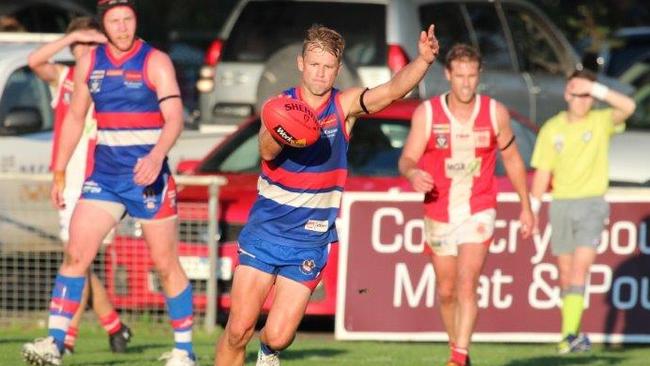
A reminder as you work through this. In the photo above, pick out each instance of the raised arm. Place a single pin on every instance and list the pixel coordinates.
(414, 147)
(71, 130)
(623, 105)
(40, 59)
(515, 167)
(160, 71)
(402, 82)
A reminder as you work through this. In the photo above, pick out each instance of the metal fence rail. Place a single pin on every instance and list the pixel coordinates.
(31, 253)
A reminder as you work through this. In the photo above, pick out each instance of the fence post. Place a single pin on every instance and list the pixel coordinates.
(213, 255)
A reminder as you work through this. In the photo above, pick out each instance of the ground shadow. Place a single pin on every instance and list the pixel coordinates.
(570, 360)
(289, 354)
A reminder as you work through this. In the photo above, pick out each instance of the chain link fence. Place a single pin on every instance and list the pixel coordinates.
(31, 253)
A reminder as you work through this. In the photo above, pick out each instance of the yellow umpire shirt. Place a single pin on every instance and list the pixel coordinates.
(576, 153)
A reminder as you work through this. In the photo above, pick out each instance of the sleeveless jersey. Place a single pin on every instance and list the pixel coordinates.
(129, 121)
(299, 192)
(80, 165)
(461, 158)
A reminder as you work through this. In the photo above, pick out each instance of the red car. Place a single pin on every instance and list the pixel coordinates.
(375, 147)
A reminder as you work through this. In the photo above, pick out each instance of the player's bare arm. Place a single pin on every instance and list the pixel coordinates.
(403, 81)
(412, 152)
(160, 71)
(515, 168)
(40, 60)
(268, 146)
(73, 125)
(623, 105)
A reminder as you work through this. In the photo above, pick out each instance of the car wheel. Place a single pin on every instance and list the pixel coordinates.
(281, 72)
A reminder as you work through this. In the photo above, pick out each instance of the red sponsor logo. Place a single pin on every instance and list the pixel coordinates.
(133, 76)
(114, 72)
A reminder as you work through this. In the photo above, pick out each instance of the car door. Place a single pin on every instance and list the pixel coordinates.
(479, 24)
(544, 57)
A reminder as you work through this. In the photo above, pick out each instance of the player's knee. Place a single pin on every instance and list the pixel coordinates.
(165, 265)
(76, 259)
(277, 338)
(446, 292)
(467, 290)
(239, 333)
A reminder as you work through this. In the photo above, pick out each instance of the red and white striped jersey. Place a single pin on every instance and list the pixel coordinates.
(461, 158)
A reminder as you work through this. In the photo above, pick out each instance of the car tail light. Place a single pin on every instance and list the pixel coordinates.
(214, 53)
(397, 57)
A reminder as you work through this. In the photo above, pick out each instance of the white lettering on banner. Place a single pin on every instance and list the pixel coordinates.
(643, 234)
(601, 288)
(551, 294)
(377, 245)
(541, 244)
(403, 285)
(629, 247)
(496, 281)
(499, 245)
(630, 286)
(409, 229)
(422, 289)
(508, 244)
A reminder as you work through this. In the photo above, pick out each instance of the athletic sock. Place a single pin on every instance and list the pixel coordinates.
(71, 337)
(111, 322)
(180, 313)
(66, 296)
(459, 355)
(266, 350)
(572, 309)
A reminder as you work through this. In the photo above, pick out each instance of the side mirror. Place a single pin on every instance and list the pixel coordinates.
(187, 166)
(21, 120)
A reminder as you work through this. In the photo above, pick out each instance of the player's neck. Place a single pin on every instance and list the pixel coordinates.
(462, 111)
(573, 116)
(313, 100)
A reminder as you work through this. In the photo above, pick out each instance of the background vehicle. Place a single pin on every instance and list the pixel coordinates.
(44, 16)
(526, 57)
(375, 147)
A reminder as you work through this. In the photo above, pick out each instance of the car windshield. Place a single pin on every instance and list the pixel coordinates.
(375, 148)
(264, 27)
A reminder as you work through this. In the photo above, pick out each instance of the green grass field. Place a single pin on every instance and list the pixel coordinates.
(314, 349)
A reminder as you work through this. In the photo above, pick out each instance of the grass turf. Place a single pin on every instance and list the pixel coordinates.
(313, 349)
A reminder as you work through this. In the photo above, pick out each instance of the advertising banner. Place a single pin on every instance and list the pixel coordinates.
(386, 284)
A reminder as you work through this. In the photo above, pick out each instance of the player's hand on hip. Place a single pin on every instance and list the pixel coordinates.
(146, 170)
(428, 45)
(527, 221)
(420, 180)
(56, 191)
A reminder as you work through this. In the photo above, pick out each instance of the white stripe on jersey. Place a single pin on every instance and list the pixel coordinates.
(128, 137)
(298, 199)
(493, 116)
(428, 114)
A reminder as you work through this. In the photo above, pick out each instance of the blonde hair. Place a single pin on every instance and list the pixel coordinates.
(329, 40)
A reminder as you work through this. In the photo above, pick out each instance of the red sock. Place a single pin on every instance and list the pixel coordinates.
(459, 355)
(111, 322)
(71, 337)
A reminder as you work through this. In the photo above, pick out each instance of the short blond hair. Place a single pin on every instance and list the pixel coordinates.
(327, 39)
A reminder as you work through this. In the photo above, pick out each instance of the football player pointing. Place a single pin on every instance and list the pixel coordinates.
(290, 228)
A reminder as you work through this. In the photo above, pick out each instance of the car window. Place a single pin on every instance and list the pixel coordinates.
(375, 147)
(487, 32)
(25, 90)
(264, 27)
(533, 45)
(475, 24)
(451, 25)
(45, 18)
(525, 139)
(239, 155)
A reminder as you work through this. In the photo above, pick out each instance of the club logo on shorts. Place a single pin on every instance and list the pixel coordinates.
(149, 198)
(91, 187)
(307, 266)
